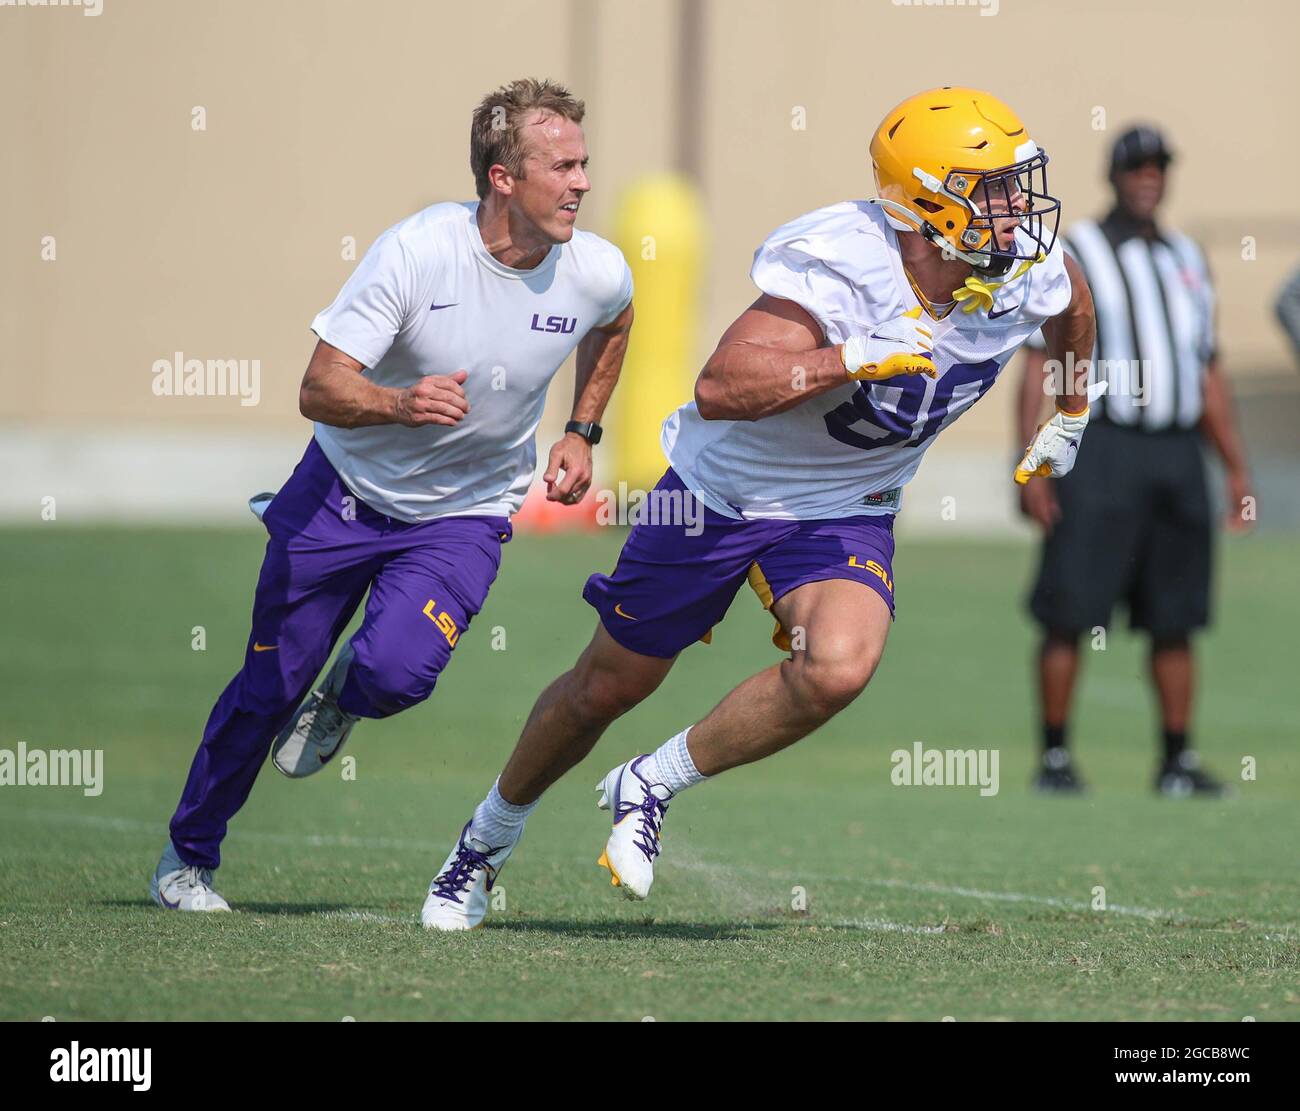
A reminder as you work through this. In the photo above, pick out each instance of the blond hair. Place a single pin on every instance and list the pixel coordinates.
(495, 134)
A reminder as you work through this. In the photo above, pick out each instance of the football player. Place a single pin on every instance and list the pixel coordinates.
(426, 388)
(879, 322)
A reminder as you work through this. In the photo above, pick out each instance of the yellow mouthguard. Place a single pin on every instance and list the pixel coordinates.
(978, 294)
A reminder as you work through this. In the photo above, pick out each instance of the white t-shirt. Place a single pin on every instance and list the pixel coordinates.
(849, 451)
(428, 298)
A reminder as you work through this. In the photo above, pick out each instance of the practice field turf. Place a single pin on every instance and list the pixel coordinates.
(921, 902)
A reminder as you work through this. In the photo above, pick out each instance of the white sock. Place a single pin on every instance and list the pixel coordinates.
(497, 822)
(671, 765)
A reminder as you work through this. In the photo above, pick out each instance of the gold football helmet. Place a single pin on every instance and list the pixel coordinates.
(951, 161)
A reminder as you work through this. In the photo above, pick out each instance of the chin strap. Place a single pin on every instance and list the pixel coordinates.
(977, 293)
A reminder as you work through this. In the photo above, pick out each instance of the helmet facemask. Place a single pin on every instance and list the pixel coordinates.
(1017, 192)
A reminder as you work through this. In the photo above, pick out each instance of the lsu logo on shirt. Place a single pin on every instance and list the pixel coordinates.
(564, 325)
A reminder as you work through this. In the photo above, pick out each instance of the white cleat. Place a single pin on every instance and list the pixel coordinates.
(638, 810)
(458, 895)
(180, 886)
(319, 728)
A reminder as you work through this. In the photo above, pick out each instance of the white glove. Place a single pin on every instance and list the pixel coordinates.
(900, 346)
(1056, 443)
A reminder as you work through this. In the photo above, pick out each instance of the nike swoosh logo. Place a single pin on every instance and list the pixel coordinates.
(264, 647)
(618, 609)
(1003, 312)
(435, 306)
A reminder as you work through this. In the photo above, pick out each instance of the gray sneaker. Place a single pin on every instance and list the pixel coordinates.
(180, 886)
(319, 728)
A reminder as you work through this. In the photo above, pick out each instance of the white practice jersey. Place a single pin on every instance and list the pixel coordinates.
(849, 451)
(428, 298)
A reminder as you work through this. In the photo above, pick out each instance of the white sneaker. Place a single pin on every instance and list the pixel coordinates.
(319, 728)
(180, 886)
(458, 895)
(258, 503)
(638, 811)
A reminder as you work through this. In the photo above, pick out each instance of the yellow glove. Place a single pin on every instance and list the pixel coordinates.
(1054, 446)
(899, 346)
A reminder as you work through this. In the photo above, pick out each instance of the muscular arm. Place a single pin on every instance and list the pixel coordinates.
(600, 361)
(772, 358)
(1029, 402)
(336, 391)
(1070, 339)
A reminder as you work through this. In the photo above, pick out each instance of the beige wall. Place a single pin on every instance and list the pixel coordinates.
(330, 118)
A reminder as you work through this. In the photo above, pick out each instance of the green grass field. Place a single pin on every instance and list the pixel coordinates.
(921, 902)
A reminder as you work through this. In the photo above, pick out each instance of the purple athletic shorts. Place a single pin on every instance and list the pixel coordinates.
(676, 578)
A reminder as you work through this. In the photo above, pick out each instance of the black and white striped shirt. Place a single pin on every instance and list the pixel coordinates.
(1155, 322)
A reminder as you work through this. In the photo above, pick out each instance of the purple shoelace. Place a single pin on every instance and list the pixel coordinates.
(652, 811)
(451, 883)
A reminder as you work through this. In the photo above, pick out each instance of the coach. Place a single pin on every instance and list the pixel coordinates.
(426, 388)
(1132, 521)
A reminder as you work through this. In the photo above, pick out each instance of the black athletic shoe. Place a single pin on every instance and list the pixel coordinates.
(1182, 778)
(1057, 775)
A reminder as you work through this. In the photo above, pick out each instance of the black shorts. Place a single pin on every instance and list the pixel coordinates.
(1135, 526)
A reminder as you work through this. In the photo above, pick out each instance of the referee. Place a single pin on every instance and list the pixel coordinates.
(1132, 521)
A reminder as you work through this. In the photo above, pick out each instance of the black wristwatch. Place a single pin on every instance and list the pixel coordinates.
(588, 430)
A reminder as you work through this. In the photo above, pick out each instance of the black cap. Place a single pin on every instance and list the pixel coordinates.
(1138, 145)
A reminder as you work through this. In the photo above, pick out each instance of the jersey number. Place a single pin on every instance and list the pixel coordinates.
(901, 422)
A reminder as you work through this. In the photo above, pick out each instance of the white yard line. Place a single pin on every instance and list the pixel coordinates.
(883, 926)
(1019, 897)
(714, 869)
(804, 877)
